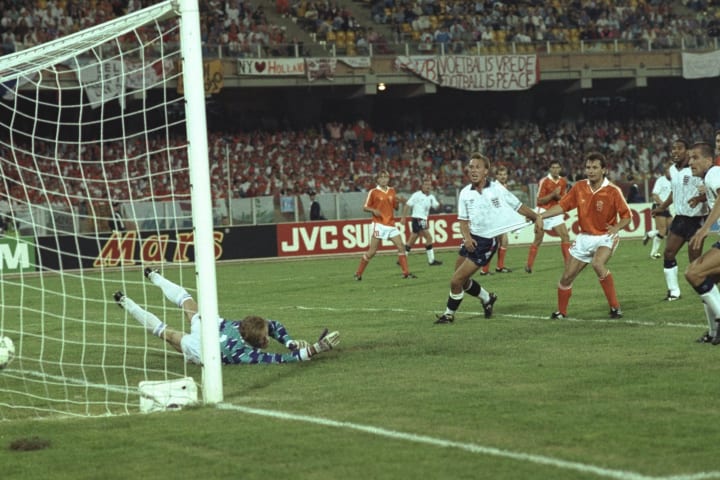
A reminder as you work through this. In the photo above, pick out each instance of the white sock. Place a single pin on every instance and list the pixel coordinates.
(430, 254)
(173, 292)
(146, 319)
(710, 316)
(711, 300)
(484, 295)
(671, 279)
(652, 233)
(656, 245)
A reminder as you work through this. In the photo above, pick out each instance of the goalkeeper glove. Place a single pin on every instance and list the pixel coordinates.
(326, 342)
(296, 344)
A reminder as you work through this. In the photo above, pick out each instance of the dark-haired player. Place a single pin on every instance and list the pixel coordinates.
(418, 206)
(703, 273)
(551, 189)
(602, 212)
(486, 209)
(690, 213)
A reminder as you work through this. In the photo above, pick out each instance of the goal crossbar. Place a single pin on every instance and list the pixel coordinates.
(44, 56)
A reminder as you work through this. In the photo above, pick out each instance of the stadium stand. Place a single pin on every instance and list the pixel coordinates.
(259, 163)
(238, 28)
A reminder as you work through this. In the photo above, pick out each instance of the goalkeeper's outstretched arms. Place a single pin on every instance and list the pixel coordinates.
(241, 342)
(278, 331)
(254, 332)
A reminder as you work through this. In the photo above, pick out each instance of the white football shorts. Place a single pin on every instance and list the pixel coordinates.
(383, 232)
(552, 222)
(585, 245)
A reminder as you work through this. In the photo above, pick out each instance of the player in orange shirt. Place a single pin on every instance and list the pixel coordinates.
(599, 203)
(550, 190)
(381, 202)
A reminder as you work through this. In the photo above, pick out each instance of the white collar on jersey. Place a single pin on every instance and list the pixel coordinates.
(604, 183)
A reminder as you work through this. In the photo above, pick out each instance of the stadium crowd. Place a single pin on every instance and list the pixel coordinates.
(237, 26)
(346, 157)
(242, 28)
(457, 23)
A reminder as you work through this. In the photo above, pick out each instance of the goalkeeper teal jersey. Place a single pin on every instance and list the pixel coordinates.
(234, 350)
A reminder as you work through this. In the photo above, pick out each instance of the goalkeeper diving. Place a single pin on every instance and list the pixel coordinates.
(241, 341)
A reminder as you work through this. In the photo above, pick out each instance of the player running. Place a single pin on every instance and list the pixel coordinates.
(421, 202)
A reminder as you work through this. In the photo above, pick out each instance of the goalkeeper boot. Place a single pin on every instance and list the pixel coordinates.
(119, 298)
(149, 270)
(488, 306)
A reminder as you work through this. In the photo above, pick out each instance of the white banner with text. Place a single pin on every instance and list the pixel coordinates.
(475, 72)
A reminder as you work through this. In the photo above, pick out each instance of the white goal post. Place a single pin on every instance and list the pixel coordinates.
(104, 171)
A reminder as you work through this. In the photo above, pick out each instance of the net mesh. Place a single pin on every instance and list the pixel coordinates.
(94, 187)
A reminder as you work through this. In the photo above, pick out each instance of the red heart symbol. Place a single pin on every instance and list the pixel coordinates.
(259, 66)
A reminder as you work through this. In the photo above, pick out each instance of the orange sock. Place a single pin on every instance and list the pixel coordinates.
(501, 257)
(486, 268)
(531, 255)
(565, 248)
(564, 294)
(608, 286)
(402, 258)
(363, 263)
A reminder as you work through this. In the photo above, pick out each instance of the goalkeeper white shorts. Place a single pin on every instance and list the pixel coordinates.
(190, 342)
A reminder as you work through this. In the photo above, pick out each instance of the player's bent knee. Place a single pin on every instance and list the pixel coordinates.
(704, 286)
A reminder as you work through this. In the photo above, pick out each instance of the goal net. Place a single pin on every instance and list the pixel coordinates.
(103, 172)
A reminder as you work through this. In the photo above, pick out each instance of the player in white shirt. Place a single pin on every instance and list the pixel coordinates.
(501, 175)
(690, 213)
(421, 202)
(660, 192)
(486, 209)
(702, 273)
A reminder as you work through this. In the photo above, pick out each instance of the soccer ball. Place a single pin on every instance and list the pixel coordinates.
(7, 351)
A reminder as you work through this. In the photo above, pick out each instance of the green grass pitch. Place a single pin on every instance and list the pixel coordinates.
(518, 396)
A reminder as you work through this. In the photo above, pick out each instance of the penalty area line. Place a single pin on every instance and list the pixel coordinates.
(614, 321)
(468, 447)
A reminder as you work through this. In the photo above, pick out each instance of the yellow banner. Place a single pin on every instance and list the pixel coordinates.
(212, 76)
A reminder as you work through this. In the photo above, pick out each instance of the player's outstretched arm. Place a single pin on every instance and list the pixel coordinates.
(325, 343)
